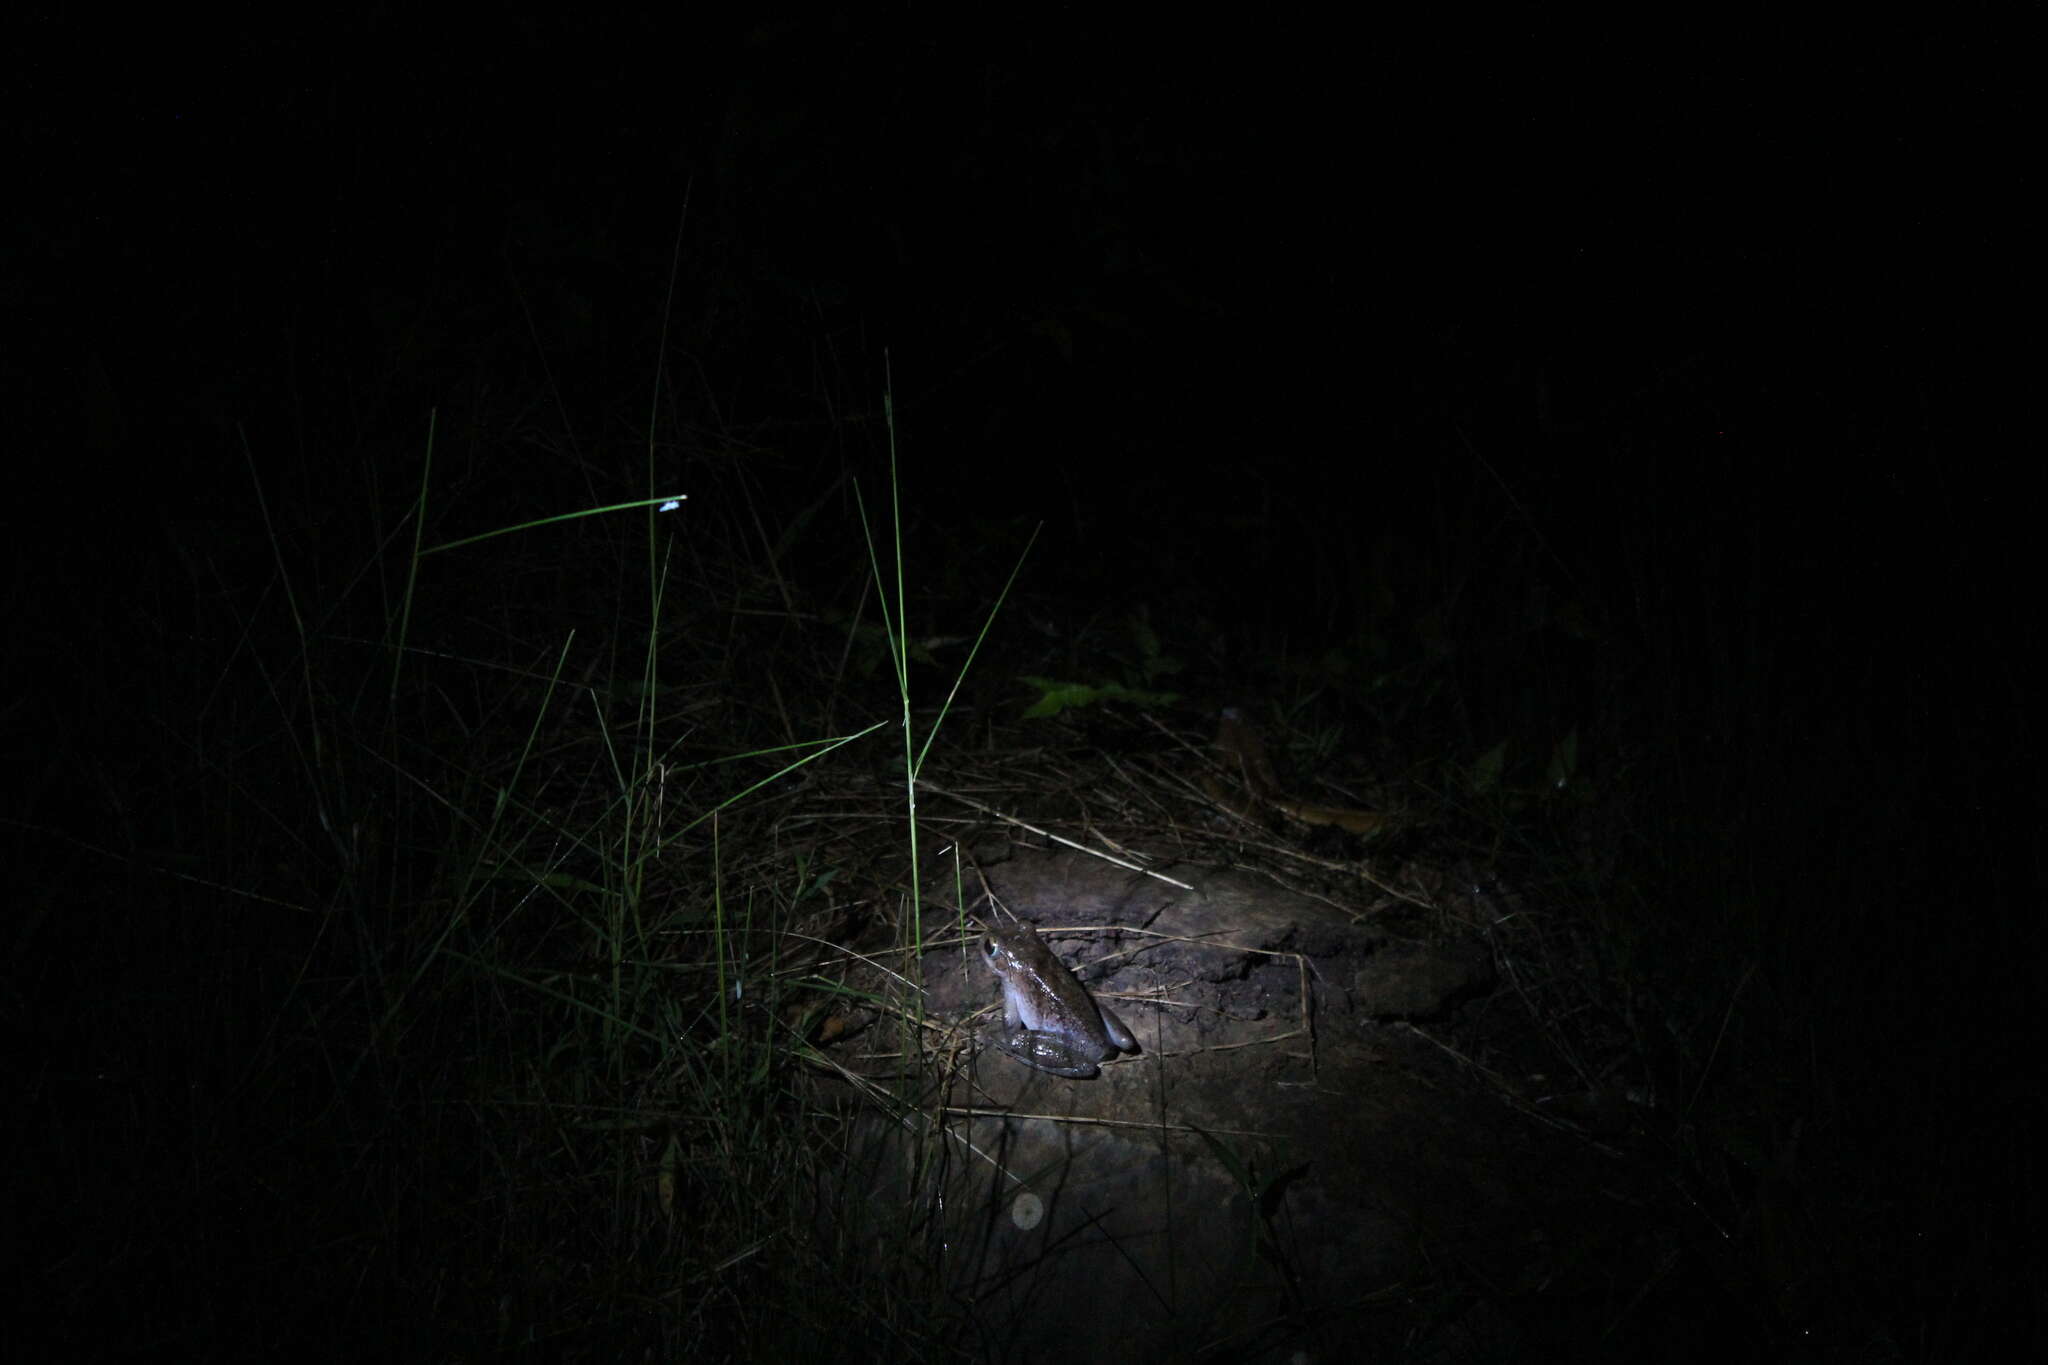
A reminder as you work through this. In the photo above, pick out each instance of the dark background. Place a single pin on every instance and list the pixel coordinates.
(1245, 311)
(1203, 267)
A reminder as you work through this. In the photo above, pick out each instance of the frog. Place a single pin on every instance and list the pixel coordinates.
(1050, 1020)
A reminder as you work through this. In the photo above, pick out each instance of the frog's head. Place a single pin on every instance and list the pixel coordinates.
(1003, 949)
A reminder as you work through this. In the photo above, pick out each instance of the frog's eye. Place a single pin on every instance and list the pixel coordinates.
(988, 948)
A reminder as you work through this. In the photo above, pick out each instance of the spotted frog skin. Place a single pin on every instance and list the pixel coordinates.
(1049, 1019)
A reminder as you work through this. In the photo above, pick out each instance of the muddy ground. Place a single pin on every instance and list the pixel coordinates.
(1344, 1132)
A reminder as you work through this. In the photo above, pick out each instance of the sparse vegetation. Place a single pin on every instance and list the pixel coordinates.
(501, 890)
(489, 692)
